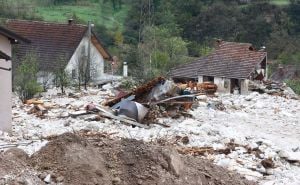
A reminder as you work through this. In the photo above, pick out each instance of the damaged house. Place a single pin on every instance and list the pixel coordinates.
(61, 45)
(230, 66)
(7, 38)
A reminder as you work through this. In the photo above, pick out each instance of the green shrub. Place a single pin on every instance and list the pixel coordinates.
(295, 85)
(62, 78)
(26, 84)
(128, 84)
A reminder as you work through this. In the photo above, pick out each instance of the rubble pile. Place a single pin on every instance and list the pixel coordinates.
(155, 99)
(273, 88)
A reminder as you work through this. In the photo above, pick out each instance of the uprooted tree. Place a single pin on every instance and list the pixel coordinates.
(25, 80)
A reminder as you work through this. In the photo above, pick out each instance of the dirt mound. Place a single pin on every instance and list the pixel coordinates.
(74, 159)
(14, 169)
(99, 160)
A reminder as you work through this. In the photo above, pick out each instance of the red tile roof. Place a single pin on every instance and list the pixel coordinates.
(229, 59)
(50, 41)
(15, 38)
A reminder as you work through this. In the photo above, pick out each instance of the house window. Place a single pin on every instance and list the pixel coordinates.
(208, 79)
(73, 74)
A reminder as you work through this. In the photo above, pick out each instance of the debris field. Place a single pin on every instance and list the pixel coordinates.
(94, 135)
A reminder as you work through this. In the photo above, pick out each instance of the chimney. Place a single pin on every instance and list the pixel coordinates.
(263, 48)
(125, 69)
(218, 42)
(70, 21)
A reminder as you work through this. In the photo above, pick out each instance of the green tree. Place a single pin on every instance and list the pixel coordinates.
(159, 51)
(294, 14)
(62, 78)
(294, 84)
(26, 84)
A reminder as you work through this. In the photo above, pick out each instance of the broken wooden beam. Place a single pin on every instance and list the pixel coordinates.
(138, 92)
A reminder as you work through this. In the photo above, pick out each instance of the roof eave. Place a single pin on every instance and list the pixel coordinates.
(4, 56)
(98, 40)
(265, 57)
(15, 38)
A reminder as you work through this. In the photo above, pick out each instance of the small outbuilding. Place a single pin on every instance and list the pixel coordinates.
(7, 38)
(230, 66)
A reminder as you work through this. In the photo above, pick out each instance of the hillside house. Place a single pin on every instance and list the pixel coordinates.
(230, 66)
(60, 45)
(7, 38)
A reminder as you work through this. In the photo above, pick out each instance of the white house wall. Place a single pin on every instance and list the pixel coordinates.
(244, 86)
(223, 85)
(45, 78)
(97, 61)
(5, 87)
(200, 79)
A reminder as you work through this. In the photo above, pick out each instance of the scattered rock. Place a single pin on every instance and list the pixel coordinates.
(269, 171)
(47, 179)
(174, 162)
(18, 153)
(43, 175)
(268, 163)
(202, 98)
(107, 86)
(293, 156)
(116, 181)
(185, 140)
(224, 162)
(60, 179)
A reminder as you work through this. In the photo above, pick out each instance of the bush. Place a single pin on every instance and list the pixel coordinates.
(26, 84)
(295, 85)
(62, 78)
(128, 84)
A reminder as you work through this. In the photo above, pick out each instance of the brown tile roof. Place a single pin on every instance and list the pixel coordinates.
(50, 41)
(229, 59)
(15, 38)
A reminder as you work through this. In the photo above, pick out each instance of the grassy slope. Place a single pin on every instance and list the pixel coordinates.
(99, 13)
(280, 2)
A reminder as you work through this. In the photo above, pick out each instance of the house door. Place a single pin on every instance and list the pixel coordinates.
(234, 85)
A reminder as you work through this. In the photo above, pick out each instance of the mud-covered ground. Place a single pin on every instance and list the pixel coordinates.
(99, 159)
